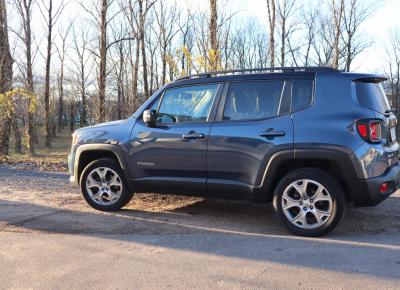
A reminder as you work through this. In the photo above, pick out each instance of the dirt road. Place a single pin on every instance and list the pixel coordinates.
(50, 238)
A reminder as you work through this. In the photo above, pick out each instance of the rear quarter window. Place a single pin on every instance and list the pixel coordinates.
(302, 94)
(372, 96)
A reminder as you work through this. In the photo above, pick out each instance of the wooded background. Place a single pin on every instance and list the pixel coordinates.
(102, 64)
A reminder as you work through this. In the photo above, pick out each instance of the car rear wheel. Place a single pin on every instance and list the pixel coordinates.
(309, 202)
(103, 185)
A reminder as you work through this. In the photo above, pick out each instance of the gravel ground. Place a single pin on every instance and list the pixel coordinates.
(42, 208)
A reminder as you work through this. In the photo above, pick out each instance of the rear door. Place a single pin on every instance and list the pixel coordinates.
(253, 122)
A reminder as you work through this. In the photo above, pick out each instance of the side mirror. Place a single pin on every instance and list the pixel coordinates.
(149, 118)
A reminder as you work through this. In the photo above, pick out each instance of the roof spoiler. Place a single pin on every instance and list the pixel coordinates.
(370, 79)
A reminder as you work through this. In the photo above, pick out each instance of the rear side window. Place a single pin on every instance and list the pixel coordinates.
(302, 94)
(253, 100)
(372, 96)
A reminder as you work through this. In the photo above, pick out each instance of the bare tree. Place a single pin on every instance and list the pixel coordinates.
(24, 8)
(214, 47)
(61, 51)
(82, 68)
(310, 23)
(353, 17)
(8, 110)
(167, 18)
(50, 18)
(119, 68)
(272, 24)
(144, 8)
(392, 70)
(187, 37)
(103, 59)
(99, 14)
(152, 43)
(285, 11)
(337, 15)
(134, 50)
(5, 81)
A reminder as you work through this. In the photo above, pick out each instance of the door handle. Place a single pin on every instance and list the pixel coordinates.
(272, 133)
(193, 136)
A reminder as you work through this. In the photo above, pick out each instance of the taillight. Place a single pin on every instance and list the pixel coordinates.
(363, 130)
(375, 131)
(370, 130)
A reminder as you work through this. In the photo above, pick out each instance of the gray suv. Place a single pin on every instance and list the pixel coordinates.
(309, 140)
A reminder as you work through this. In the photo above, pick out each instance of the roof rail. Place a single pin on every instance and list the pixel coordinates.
(259, 70)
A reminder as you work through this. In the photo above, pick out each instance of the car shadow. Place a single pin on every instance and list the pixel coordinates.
(219, 227)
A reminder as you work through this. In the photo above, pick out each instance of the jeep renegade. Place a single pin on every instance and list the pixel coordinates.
(310, 140)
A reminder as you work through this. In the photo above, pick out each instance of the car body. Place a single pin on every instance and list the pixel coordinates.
(247, 130)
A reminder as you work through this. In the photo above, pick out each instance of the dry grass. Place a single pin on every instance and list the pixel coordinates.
(45, 159)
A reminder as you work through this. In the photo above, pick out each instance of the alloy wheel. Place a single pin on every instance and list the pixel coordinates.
(307, 204)
(104, 185)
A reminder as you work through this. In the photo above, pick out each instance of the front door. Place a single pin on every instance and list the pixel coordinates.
(171, 157)
(253, 124)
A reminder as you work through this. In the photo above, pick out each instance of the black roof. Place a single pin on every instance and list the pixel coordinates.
(252, 71)
(271, 72)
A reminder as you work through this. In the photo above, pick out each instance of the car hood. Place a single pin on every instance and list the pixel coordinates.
(114, 131)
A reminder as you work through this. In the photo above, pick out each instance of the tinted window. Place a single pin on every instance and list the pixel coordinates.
(187, 104)
(302, 93)
(372, 96)
(253, 100)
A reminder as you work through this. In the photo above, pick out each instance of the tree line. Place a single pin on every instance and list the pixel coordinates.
(103, 63)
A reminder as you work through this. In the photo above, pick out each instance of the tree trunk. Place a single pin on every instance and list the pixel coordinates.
(47, 78)
(17, 133)
(83, 120)
(72, 117)
(283, 39)
(60, 107)
(135, 72)
(25, 11)
(5, 80)
(5, 135)
(120, 86)
(143, 49)
(61, 97)
(337, 18)
(349, 57)
(213, 35)
(272, 21)
(103, 61)
(164, 65)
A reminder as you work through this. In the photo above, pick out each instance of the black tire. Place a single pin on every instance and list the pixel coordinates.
(125, 195)
(332, 188)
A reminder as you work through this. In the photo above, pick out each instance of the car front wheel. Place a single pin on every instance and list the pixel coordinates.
(309, 202)
(103, 185)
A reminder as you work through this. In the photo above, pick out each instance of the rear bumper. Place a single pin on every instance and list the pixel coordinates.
(368, 190)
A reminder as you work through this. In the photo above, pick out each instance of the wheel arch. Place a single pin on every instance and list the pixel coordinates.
(337, 163)
(90, 152)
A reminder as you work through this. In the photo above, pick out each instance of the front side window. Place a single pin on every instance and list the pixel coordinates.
(253, 100)
(186, 104)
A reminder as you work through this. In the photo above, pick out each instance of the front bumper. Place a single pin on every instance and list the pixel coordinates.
(368, 190)
(71, 168)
